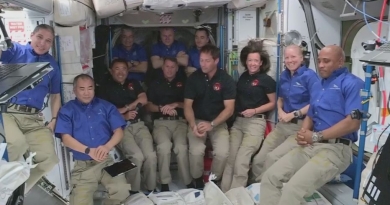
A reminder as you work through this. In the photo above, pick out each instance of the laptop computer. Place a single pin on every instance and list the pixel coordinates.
(380, 56)
(14, 78)
(377, 189)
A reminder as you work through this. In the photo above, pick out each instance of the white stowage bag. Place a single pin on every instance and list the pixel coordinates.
(130, 4)
(138, 199)
(108, 8)
(166, 198)
(254, 192)
(12, 175)
(213, 194)
(204, 3)
(163, 5)
(74, 13)
(239, 196)
(192, 196)
(238, 4)
(70, 49)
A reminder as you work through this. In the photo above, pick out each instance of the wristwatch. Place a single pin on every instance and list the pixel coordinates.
(296, 114)
(127, 108)
(87, 150)
(212, 124)
(132, 63)
(317, 137)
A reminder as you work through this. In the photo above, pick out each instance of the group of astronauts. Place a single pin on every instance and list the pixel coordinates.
(190, 99)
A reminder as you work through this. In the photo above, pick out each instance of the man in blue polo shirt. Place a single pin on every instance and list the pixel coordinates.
(91, 127)
(134, 53)
(168, 47)
(24, 126)
(326, 136)
(202, 38)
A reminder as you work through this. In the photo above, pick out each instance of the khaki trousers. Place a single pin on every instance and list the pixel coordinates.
(137, 145)
(164, 132)
(277, 143)
(304, 170)
(246, 136)
(219, 136)
(85, 179)
(26, 132)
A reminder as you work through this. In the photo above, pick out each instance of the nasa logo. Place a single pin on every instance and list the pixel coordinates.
(179, 84)
(217, 86)
(130, 86)
(255, 82)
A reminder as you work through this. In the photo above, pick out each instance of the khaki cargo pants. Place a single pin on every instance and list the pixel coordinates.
(164, 132)
(304, 170)
(137, 145)
(26, 132)
(277, 143)
(219, 136)
(246, 136)
(85, 179)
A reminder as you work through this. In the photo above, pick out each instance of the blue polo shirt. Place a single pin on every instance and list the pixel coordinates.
(51, 83)
(194, 58)
(295, 89)
(91, 124)
(136, 53)
(160, 49)
(334, 98)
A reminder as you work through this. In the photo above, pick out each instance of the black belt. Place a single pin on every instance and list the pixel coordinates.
(170, 118)
(262, 116)
(134, 121)
(24, 108)
(340, 140)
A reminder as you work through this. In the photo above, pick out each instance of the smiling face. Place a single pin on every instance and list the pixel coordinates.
(253, 63)
(293, 57)
(119, 72)
(42, 40)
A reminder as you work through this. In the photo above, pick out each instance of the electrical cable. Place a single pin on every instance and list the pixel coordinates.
(376, 158)
(1, 135)
(365, 20)
(347, 1)
(381, 69)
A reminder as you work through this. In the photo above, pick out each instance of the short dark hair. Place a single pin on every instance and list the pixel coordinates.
(212, 50)
(264, 57)
(203, 29)
(82, 77)
(172, 59)
(206, 31)
(44, 27)
(118, 60)
(167, 28)
(127, 28)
